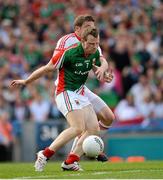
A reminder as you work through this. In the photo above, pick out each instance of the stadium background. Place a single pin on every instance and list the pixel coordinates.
(131, 33)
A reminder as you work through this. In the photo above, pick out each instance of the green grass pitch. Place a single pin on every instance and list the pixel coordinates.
(92, 170)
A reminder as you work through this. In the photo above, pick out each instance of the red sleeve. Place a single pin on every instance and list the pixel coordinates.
(57, 56)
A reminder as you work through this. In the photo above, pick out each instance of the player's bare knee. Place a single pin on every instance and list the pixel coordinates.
(78, 131)
(107, 118)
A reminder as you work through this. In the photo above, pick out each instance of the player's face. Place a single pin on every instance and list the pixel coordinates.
(90, 45)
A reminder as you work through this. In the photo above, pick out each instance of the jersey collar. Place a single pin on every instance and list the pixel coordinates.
(77, 36)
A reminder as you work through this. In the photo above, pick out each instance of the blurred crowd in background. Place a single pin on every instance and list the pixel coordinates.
(131, 38)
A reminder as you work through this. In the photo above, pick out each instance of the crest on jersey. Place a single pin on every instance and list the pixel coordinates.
(77, 102)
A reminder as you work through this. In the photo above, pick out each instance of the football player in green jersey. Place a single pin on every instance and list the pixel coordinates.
(73, 65)
(103, 112)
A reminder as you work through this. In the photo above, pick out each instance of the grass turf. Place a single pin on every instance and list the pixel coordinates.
(92, 170)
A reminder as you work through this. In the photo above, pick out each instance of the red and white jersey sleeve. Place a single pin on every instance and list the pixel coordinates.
(67, 41)
(57, 59)
(63, 44)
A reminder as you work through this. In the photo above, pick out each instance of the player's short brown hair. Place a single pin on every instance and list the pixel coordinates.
(81, 19)
(89, 31)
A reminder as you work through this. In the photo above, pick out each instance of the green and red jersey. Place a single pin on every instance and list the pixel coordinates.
(73, 67)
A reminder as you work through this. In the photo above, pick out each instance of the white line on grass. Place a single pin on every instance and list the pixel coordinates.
(89, 173)
(44, 176)
(127, 171)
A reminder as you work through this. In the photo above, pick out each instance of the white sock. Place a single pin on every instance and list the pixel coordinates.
(103, 126)
(74, 143)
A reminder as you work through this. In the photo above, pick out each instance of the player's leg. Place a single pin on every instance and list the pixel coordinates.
(103, 112)
(75, 118)
(105, 118)
(77, 126)
(92, 128)
(105, 115)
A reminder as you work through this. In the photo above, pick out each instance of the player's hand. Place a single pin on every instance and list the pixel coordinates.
(108, 76)
(17, 83)
(99, 72)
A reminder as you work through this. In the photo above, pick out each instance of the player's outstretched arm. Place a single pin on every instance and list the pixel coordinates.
(35, 75)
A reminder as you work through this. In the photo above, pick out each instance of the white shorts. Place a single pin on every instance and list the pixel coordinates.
(68, 101)
(95, 100)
